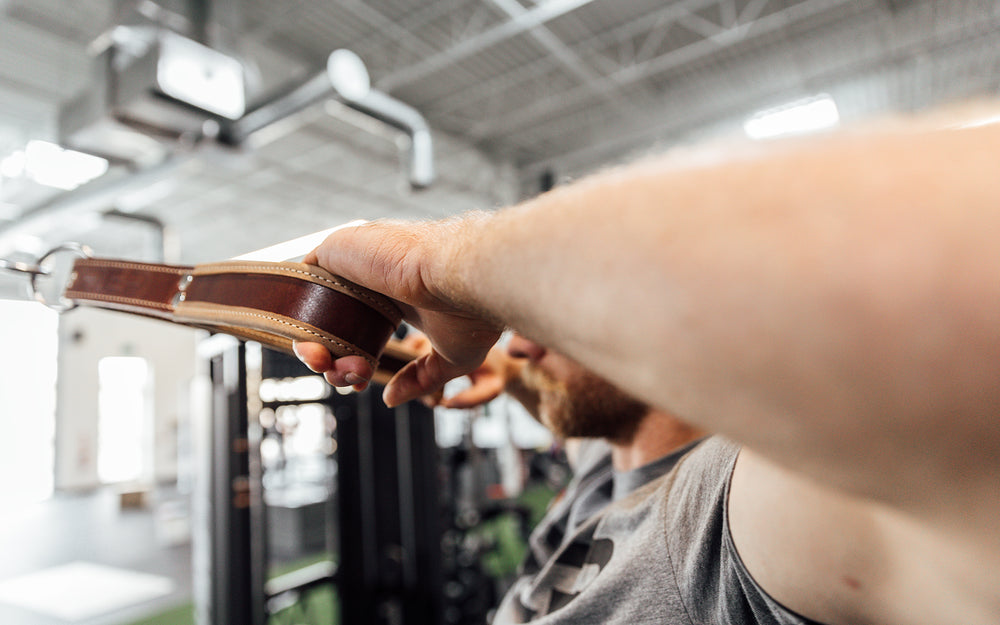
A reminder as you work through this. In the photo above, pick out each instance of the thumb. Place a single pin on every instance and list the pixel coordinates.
(484, 388)
(423, 376)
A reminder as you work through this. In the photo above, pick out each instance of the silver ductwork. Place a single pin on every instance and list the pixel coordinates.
(154, 87)
(387, 109)
(151, 89)
(346, 79)
(140, 112)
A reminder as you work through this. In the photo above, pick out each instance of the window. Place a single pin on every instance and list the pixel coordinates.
(125, 406)
(29, 339)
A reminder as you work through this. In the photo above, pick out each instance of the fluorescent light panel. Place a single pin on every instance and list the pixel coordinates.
(48, 164)
(984, 121)
(799, 117)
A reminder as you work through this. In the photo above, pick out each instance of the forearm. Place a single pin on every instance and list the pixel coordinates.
(833, 304)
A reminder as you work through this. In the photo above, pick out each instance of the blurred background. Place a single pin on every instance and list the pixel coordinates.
(189, 131)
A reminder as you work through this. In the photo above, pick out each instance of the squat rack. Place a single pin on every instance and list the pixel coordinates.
(387, 508)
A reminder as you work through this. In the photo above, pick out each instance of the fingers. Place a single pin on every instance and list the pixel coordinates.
(352, 371)
(421, 378)
(313, 259)
(424, 376)
(481, 391)
(313, 355)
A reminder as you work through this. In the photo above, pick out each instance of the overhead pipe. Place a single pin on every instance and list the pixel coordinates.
(93, 197)
(161, 233)
(346, 78)
(391, 111)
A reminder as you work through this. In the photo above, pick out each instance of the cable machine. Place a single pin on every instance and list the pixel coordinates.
(384, 506)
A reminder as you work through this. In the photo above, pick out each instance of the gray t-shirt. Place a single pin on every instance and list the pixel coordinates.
(662, 554)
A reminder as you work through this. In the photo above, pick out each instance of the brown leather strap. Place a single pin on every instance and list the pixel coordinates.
(273, 303)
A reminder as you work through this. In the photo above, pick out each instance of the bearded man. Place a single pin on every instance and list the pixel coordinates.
(620, 449)
(616, 443)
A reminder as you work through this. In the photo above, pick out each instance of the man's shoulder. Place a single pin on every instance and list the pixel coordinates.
(704, 464)
(711, 450)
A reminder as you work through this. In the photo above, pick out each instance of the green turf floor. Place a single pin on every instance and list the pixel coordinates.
(317, 607)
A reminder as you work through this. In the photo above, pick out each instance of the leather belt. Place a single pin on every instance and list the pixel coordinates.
(273, 303)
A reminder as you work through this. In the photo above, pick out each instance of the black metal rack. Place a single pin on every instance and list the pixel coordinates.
(229, 556)
(386, 503)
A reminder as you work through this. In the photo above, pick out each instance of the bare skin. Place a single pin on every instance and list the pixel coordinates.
(832, 304)
(550, 386)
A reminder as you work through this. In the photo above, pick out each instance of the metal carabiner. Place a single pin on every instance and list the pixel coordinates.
(59, 306)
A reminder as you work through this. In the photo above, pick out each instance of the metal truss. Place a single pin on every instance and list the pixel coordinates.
(641, 68)
(610, 66)
(891, 73)
(594, 49)
(521, 22)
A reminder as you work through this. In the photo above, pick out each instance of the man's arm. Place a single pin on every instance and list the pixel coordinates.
(843, 560)
(834, 303)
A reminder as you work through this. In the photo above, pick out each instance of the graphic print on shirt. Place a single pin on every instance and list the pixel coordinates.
(574, 568)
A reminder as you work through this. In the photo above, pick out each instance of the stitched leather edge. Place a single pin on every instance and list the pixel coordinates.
(125, 264)
(269, 328)
(269, 323)
(115, 299)
(311, 273)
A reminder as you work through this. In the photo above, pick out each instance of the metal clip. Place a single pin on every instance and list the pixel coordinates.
(72, 248)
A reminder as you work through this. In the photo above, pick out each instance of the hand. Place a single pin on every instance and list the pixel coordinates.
(410, 263)
(488, 380)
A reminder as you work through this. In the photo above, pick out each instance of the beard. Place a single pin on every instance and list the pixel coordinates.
(584, 406)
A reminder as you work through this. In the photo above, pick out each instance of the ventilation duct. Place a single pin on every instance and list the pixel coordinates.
(346, 78)
(152, 87)
(139, 113)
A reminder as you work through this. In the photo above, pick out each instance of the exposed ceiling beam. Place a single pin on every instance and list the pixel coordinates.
(632, 74)
(538, 15)
(674, 124)
(380, 22)
(656, 24)
(550, 42)
(572, 61)
(753, 10)
(727, 13)
(427, 12)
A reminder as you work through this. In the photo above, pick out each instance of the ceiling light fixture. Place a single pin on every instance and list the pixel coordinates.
(50, 165)
(799, 117)
(984, 121)
(200, 76)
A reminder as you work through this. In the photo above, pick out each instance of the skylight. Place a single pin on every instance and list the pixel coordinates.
(799, 117)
